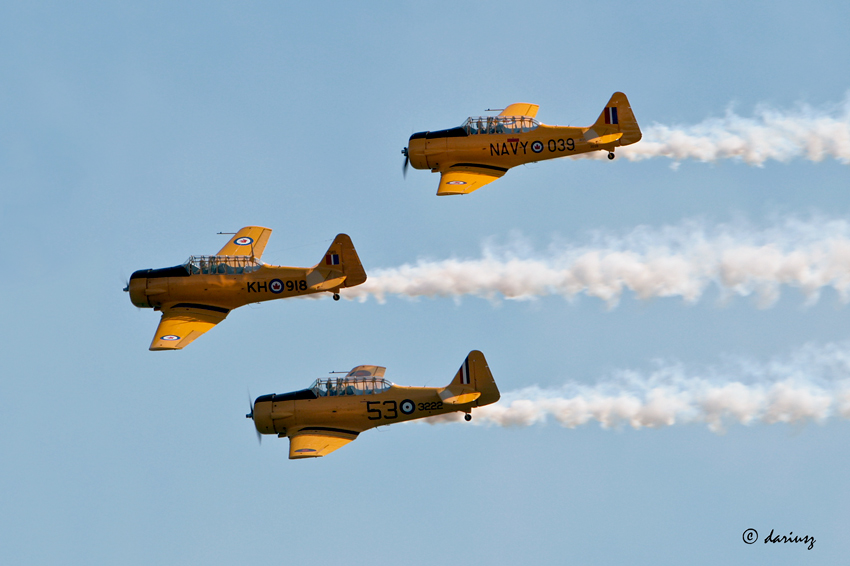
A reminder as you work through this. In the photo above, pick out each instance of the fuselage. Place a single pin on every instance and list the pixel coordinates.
(279, 413)
(445, 148)
(226, 283)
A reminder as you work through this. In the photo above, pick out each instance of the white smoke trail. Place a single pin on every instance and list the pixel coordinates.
(673, 261)
(806, 132)
(812, 385)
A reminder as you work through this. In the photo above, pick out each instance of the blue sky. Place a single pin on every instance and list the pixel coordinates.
(131, 134)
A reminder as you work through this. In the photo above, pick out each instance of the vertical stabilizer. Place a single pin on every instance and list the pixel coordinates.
(341, 257)
(617, 117)
(472, 382)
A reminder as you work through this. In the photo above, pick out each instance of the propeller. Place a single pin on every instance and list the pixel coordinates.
(406, 162)
(250, 415)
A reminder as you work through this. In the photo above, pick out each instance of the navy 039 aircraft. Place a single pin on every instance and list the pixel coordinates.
(332, 412)
(198, 294)
(485, 147)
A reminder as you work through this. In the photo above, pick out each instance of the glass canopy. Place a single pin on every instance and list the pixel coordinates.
(499, 125)
(221, 264)
(339, 386)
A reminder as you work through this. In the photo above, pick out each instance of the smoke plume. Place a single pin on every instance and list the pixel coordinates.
(803, 133)
(673, 261)
(811, 385)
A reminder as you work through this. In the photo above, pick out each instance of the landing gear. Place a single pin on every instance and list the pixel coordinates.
(611, 155)
(467, 417)
(336, 296)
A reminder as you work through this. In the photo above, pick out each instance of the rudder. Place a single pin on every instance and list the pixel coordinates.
(342, 256)
(474, 374)
(617, 117)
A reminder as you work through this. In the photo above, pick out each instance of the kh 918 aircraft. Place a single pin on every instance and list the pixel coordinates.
(485, 147)
(198, 294)
(333, 411)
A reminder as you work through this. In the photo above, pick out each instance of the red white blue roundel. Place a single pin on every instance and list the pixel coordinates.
(169, 337)
(275, 286)
(537, 146)
(244, 241)
(407, 406)
(456, 183)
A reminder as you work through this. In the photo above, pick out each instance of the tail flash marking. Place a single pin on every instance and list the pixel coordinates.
(332, 259)
(464, 372)
(611, 115)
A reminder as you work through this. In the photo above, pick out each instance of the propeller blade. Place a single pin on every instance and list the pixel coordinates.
(250, 415)
(406, 162)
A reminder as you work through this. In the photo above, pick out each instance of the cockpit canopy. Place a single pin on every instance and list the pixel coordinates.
(340, 386)
(221, 264)
(499, 125)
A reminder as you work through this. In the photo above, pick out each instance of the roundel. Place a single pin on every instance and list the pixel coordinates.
(537, 146)
(275, 286)
(456, 183)
(169, 337)
(244, 241)
(407, 406)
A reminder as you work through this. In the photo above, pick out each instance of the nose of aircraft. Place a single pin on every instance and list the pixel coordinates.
(260, 413)
(414, 153)
(136, 288)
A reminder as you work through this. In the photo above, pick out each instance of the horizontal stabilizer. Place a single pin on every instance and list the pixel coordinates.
(604, 140)
(458, 398)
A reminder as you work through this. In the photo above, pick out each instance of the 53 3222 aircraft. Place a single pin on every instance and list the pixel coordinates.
(334, 411)
(198, 294)
(485, 147)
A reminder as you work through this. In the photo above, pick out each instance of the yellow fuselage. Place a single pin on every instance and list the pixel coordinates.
(279, 414)
(438, 152)
(163, 288)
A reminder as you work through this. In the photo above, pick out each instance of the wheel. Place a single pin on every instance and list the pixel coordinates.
(467, 417)
(336, 296)
(610, 155)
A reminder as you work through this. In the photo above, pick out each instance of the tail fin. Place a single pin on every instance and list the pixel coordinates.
(341, 256)
(616, 124)
(473, 382)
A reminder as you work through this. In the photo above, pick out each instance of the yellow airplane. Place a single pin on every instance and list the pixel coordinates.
(485, 147)
(198, 294)
(332, 412)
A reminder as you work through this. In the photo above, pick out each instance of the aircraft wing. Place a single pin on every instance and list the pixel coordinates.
(464, 182)
(316, 441)
(181, 324)
(249, 241)
(521, 109)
